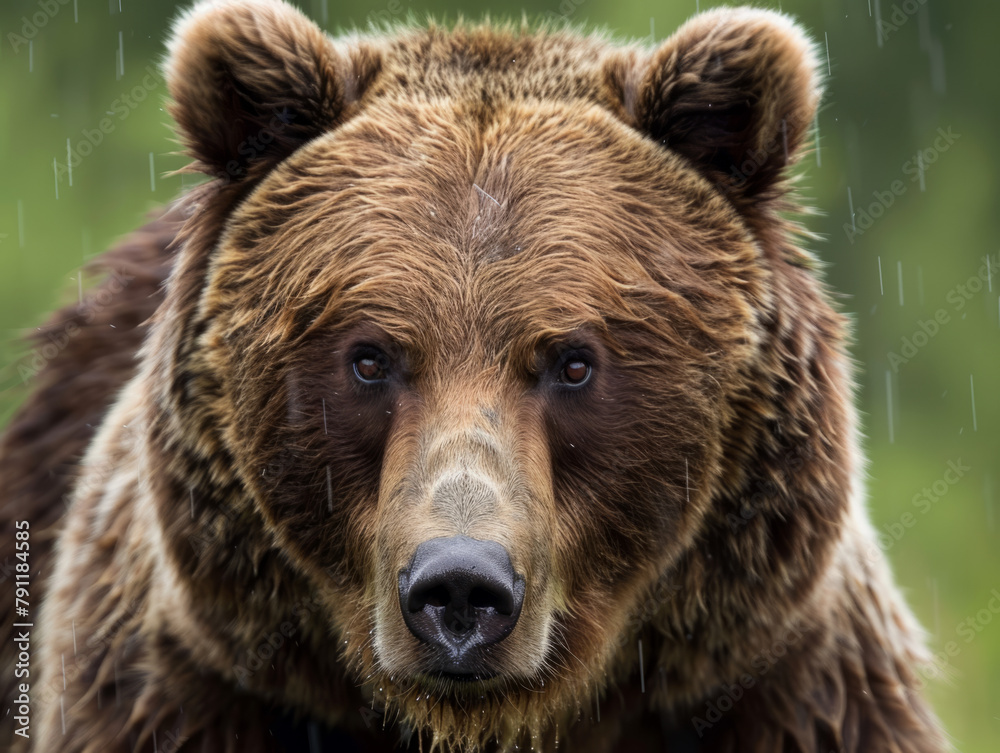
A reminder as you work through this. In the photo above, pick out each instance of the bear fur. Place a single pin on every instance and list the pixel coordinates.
(220, 507)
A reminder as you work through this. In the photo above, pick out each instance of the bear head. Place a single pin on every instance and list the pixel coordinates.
(499, 341)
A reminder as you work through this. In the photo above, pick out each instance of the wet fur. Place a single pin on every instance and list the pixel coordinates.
(475, 199)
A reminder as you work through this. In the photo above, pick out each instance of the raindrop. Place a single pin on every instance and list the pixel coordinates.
(937, 66)
(924, 29)
(120, 58)
(642, 673)
(329, 490)
(486, 194)
(314, 743)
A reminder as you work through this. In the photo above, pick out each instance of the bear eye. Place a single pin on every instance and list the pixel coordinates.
(371, 367)
(576, 372)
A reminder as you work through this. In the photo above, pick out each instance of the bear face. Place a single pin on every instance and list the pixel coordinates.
(474, 314)
(495, 344)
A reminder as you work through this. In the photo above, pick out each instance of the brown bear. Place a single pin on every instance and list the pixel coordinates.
(486, 402)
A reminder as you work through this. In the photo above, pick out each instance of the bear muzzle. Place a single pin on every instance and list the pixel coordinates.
(459, 596)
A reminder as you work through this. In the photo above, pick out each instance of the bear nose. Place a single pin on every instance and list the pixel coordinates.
(459, 593)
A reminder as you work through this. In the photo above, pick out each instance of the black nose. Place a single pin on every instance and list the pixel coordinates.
(460, 594)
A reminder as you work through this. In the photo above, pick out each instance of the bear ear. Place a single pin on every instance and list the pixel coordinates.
(734, 90)
(251, 80)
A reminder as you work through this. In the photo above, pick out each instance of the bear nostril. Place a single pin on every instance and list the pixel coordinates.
(436, 596)
(484, 598)
(460, 592)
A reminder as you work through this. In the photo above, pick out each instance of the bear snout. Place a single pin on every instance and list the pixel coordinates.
(459, 596)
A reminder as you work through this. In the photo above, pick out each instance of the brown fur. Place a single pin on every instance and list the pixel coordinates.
(474, 202)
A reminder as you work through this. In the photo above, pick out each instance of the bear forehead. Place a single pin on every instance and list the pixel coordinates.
(530, 216)
(487, 62)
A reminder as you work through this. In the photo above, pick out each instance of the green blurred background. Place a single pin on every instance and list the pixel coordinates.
(935, 67)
